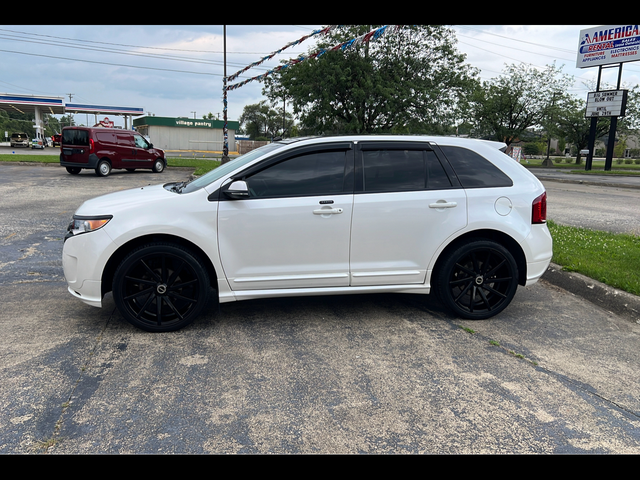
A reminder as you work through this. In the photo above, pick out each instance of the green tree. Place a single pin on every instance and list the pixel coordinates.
(260, 120)
(408, 81)
(519, 99)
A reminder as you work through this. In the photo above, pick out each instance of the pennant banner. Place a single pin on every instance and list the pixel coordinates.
(322, 31)
(367, 37)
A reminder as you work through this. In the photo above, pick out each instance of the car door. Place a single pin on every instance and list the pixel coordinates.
(292, 228)
(405, 206)
(142, 155)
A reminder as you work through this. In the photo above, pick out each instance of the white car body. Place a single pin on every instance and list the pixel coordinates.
(351, 241)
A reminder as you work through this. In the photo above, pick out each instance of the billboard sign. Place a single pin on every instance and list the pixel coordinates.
(607, 103)
(608, 44)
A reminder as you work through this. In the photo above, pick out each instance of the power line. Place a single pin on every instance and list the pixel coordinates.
(132, 46)
(112, 64)
(119, 52)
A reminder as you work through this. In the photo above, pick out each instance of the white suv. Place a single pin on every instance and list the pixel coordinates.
(318, 216)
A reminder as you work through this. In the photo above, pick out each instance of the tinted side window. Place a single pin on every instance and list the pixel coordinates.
(473, 170)
(437, 178)
(402, 170)
(317, 173)
(75, 137)
(393, 170)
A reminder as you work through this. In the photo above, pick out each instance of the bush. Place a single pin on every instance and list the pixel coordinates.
(557, 160)
(619, 161)
(530, 149)
(628, 161)
(637, 161)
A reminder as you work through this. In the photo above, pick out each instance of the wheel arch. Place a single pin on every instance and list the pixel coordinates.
(122, 251)
(487, 234)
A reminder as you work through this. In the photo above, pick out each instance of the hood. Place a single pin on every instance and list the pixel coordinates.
(135, 198)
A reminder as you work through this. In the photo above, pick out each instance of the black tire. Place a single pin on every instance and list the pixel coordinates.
(158, 166)
(103, 168)
(477, 280)
(74, 170)
(160, 287)
(131, 169)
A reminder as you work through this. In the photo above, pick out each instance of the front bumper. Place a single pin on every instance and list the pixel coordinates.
(84, 257)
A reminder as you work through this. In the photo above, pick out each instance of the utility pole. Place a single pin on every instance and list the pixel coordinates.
(225, 131)
(70, 116)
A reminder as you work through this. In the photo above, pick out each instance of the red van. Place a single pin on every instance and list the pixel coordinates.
(102, 149)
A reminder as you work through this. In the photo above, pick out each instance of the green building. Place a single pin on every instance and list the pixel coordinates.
(187, 134)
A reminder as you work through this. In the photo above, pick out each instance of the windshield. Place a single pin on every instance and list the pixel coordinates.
(223, 170)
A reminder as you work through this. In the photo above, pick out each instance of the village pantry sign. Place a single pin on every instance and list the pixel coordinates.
(601, 47)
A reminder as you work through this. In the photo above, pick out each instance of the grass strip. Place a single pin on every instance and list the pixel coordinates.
(201, 166)
(610, 258)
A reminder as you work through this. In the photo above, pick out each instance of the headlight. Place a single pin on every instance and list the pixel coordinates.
(81, 224)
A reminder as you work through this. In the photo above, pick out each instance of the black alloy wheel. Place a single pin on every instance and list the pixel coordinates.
(478, 280)
(160, 287)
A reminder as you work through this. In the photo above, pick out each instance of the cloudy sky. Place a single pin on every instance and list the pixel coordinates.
(175, 70)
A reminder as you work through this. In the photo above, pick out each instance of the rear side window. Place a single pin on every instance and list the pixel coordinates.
(75, 137)
(473, 170)
(397, 170)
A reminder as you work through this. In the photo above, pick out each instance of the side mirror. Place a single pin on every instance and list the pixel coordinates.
(237, 189)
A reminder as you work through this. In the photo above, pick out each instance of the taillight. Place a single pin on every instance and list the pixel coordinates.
(539, 209)
(91, 146)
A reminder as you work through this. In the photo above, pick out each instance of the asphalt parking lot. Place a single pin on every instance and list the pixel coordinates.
(354, 374)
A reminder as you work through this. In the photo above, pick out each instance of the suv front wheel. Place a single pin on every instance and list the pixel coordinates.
(160, 287)
(477, 280)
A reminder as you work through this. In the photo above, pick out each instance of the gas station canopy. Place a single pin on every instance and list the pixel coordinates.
(56, 106)
(29, 103)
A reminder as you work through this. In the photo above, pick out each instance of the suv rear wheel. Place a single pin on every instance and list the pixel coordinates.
(477, 280)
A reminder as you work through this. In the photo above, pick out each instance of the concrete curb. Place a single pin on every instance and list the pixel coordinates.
(616, 301)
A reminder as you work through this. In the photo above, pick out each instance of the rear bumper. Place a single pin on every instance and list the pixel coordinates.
(91, 163)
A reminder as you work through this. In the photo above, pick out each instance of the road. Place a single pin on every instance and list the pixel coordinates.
(612, 209)
(352, 374)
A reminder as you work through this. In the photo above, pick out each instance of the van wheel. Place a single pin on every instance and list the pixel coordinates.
(158, 166)
(73, 170)
(103, 169)
(131, 169)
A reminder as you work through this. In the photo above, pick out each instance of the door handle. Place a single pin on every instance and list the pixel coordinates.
(327, 211)
(443, 204)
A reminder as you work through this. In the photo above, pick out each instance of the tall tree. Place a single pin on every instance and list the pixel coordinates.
(259, 120)
(521, 98)
(408, 81)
